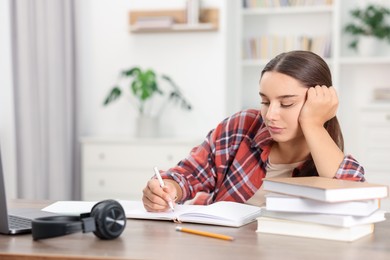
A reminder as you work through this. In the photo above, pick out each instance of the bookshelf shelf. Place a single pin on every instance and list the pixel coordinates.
(365, 60)
(208, 21)
(262, 62)
(287, 10)
(201, 27)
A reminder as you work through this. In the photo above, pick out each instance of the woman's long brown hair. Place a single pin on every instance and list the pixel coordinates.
(311, 70)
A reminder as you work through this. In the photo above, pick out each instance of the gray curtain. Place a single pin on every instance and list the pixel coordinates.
(45, 100)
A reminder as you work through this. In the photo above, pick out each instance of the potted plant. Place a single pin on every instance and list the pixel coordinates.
(144, 86)
(369, 24)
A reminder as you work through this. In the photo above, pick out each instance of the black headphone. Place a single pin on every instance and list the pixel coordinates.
(107, 220)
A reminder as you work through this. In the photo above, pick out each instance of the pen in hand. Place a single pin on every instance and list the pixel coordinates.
(162, 185)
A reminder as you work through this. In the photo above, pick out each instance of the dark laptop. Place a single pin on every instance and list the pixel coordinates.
(20, 220)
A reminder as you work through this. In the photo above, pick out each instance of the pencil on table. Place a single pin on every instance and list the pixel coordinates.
(204, 233)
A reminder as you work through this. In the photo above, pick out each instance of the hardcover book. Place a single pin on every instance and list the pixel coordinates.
(312, 230)
(326, 189)
(327, 219)
(287, 203)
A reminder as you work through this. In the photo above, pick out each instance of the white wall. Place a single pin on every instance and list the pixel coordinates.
(7, 127)
(196, 62)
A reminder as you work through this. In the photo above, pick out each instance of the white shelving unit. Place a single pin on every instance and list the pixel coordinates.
(287, 10)
(281, 21)
(354, 77)
(357, 78)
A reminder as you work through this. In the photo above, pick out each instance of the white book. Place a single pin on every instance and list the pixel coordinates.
(281, 202)
(223, 213)
(312, 230)
(326, 189)
(327, 219)
(193, 11)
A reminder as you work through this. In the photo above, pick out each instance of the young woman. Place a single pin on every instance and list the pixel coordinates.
(295, 133)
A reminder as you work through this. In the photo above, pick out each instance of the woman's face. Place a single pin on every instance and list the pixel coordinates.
(282, 98)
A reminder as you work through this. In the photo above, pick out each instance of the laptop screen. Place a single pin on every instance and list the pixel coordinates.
(3, 202)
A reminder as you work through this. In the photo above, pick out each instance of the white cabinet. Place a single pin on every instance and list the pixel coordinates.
(375, 145)
(119, 167)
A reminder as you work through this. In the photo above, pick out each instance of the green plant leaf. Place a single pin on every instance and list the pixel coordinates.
(131, 72)
(353, 44)
(113, 95)
(370, 21)
(144, 85)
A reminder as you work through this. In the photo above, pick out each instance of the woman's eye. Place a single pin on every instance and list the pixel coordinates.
(265, 103)
(286, 105)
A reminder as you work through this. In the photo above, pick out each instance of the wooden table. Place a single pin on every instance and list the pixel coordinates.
(147, 239)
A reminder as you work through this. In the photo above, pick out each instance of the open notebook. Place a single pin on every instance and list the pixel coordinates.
(223, 213)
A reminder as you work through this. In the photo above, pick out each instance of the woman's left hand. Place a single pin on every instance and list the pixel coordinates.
(320, 106)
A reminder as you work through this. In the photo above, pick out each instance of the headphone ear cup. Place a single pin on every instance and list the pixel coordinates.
(110, 219)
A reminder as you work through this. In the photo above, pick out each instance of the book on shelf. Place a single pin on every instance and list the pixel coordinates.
(326, 189)
(284, 3)
(327, 219)
(268, 46)
(193, 11)
(287, 203)
(382, 94)
(223, 213)
(312, 230)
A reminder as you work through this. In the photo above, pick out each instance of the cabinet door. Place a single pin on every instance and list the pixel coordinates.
(134, 155)
(114, 183)
(375, 139)
(375, 146)
(121, 170)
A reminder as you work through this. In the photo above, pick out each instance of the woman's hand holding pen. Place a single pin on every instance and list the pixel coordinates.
(156, 198)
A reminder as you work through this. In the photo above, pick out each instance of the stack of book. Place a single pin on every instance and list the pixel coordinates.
(324, 208)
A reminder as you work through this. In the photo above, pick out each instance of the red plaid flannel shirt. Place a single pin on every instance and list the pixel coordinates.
(230, 164)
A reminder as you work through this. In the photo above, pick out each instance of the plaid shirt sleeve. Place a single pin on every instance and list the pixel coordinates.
(197, 172)
(350, 169)
(225, 165)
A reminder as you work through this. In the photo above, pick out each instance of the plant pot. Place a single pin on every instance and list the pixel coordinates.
(147, 126)
(368, 46)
